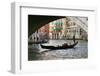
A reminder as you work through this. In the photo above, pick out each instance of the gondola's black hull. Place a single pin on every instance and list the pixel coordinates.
(58, 47)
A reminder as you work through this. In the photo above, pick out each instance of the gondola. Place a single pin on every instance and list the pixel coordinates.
(64, 46)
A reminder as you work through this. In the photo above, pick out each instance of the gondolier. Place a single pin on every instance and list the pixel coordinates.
(74, 38)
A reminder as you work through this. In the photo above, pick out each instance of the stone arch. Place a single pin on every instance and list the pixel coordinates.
(37, 21)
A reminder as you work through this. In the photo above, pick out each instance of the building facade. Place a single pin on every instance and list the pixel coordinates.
(65, 29)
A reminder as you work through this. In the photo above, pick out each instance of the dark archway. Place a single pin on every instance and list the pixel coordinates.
(37, 21)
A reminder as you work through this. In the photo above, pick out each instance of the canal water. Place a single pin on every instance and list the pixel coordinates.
(35, 52)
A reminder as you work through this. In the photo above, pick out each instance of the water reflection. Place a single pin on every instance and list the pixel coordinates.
(35, 52)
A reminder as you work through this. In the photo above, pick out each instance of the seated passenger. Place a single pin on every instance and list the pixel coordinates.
(65, 44)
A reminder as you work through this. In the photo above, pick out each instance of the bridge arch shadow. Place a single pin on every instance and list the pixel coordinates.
(37, 21)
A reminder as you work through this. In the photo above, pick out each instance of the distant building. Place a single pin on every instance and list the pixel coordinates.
(56, 29)
(65, 29)
(44, 31)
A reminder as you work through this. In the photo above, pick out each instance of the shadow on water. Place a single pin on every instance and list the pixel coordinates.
(33, 54)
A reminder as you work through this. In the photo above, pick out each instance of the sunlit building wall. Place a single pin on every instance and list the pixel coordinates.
(68, 29)
(56, 28)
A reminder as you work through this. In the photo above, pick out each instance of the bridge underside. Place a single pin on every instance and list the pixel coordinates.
(37, 21)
